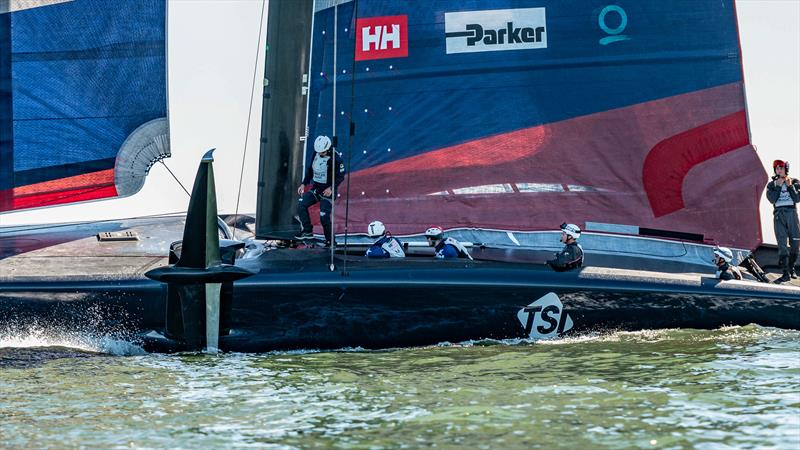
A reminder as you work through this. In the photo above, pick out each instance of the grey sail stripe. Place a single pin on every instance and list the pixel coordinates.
(7, 6)
(510, 188)
(320, 5)
(122, 50)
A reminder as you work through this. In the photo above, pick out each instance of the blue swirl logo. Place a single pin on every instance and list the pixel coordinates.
(614, 34)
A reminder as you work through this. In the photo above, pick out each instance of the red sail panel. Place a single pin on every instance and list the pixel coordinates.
(566, 171)
(91, 186)
(670, 161)
(510, 116)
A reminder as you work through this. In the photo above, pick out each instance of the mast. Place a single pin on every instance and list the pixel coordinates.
(283, 116)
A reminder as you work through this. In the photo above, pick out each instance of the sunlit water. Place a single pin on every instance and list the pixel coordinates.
(731, 388)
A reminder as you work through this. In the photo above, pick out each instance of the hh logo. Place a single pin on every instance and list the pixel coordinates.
(545, 318)
(381, 37)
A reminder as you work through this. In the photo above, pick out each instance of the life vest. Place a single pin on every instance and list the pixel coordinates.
(784, 199)
(458, 246)
(386, 247)
(393, 247)
(320, 168)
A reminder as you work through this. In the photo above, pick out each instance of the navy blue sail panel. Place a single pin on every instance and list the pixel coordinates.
(83, 93)
(573, 76)
(500, 114)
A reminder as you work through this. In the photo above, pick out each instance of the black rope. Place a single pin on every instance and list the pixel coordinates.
(249, 114)
(350, 145)
(176, 178)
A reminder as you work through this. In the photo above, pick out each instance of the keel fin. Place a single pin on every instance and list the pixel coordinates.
(199, 274)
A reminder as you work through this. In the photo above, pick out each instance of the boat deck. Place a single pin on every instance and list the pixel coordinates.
(64, 275)
(71, 252)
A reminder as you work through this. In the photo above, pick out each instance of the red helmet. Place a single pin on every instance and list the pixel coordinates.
(778, 163)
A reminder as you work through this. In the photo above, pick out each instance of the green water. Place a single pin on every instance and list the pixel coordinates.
(731, 388)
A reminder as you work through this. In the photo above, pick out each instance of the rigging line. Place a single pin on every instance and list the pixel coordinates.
(350, 145)
(249, 114)
(221, 225)
(333, 181)
(176, 178)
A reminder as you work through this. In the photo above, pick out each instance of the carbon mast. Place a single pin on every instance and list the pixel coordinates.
(283, 128)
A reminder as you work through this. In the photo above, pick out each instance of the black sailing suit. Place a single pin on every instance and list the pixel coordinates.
(319, 182)
(571, 257)
(784, 217)
(727, 272)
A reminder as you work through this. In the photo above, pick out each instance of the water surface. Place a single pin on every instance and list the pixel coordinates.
(737, 387)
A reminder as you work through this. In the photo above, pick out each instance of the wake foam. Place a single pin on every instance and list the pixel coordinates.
(728, 334)
(37, 336)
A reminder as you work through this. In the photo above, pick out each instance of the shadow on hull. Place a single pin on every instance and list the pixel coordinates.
(407, 303)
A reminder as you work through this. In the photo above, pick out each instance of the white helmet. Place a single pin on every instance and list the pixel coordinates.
(375, 229)
(434, 232)
(322, 143)
(725, 253)
(571, 229)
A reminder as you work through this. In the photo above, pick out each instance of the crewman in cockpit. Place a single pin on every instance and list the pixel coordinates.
(722, 259)
(571, 257)
(324, 177)
(445, 248)
(387, 246)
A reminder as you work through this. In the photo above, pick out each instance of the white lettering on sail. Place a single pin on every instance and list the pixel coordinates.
(380, 37)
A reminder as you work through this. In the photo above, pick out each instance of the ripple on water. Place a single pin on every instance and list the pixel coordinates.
(733, 387)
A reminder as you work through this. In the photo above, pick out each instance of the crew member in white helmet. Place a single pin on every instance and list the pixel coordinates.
(445, 248)
(722, 259)
(323, 178)
(386, 246)
(571, 257)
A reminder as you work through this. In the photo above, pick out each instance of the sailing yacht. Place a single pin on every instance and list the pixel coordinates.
(495, 120)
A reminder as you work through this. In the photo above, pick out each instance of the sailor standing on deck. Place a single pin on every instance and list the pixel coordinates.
(323, 178)
(571, 257)
(385, 247)
(784, 194)
(445, 248)
(722, 259)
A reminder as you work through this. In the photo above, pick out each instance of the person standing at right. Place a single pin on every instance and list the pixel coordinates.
(784, 194)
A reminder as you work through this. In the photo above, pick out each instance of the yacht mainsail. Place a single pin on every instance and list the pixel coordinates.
(83, 99)
(509, 115)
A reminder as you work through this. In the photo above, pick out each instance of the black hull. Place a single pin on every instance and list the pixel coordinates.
(394, 305)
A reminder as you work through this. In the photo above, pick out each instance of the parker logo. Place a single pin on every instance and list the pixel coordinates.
(381, 37)
(545, 318)
(494, 30)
